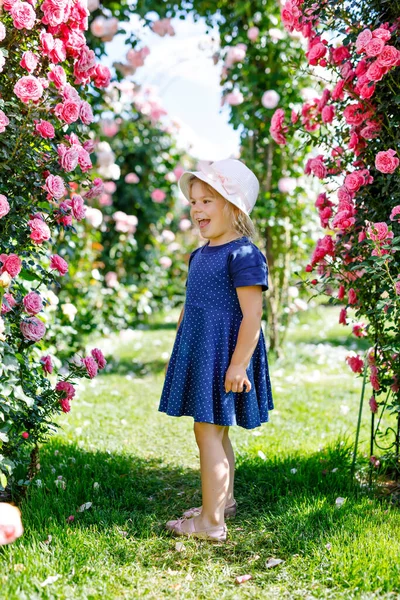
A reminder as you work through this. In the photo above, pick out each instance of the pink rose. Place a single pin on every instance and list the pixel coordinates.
(373, 405)
(374, 47)
(290, 15)
(4, 206)
(389, 57)
(45, 129)
(55, 186)
(362, 40)
(47, 42)
(4, 121)
(355, 363)
(341, 292)
(394, 213)
(382, 33)
(65, 407)
(278, 119)
(2, 32)
(47, 364)
(343, 220)
(397, 287)
(66, 388)
(68, 157)
(102, 76)
(342, 317)
(234, 98)
(28, 88)
(91, 366)
(59, 264)
(359, 330)
(378, 231)
(131, 178)
(344, 195)
(11, 264)
(270, 99)
(315, 53)
(99, 358)
(317, 167)
(32, 329)
(96, 190)
(327, 114)
(86, 113)
(55, 13)
(158, 195)
(23, 15)
(32, 303)
(40, 231)
(58, 53)
(354, 181)
(386, 161)
(29, 61)
(253, 33)
(354, 114)
(370, 130)
(84, 160)
(57, 76)
(68, 112)
(8, 303)
(352, 296)
(340, 54)
(367, 90)
(77, 206)
(375, 71)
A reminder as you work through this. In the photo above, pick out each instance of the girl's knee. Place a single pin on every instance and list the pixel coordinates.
(206, 431)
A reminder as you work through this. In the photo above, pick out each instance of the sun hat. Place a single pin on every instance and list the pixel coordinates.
(230, 178)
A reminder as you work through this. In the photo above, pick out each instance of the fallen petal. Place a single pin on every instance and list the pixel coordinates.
(261, 455)
(180, 546)
(50, 580)
(85, 506)
(273, 562)
(339, 502)
(242, 578)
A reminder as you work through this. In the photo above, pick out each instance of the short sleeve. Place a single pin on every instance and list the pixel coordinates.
(190, 260)
(248, 266)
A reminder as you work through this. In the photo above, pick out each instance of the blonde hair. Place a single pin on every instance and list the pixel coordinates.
(237, 219)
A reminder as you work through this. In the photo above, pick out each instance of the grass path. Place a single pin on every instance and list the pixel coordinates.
(139, 468)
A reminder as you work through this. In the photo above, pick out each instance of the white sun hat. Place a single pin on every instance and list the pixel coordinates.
(230, 178)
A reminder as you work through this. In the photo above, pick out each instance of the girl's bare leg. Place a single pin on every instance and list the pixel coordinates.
(226, 442)
(214, 467)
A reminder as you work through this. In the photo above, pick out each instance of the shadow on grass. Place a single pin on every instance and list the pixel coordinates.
(140, 495)
(125, 366)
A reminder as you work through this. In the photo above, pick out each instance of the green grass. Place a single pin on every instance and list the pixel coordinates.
(289, 474)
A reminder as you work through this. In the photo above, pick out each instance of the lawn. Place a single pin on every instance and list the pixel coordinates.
(138, 468)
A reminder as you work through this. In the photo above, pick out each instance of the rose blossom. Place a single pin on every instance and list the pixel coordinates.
(28, 88)
(4, 206)
(374, 47)
(86, 113)
(341, 292)
(47, 364)
(234, 98)
(378, 231)
(2, 32)
(55, 186)
(11, 264)
(32, 303)
(29, 61)
(4, 121)
(91, 366)
(355, 362)
(373, 404)
(45, 129)
(66, 388)
(68, 157)
(359, 330)
(58, 263)
(270, 99)
(32, 329)
(342, 317)
(67, 111)
(158, 195)
(386, 161)
(253, 33)
(327, 114)
(57, 76)
(102, 76)
(352, 296)
(375, 71)
(23, 15)
(99, 357)
(8, 303)
(394, 213)
(40, 231)
(77, 206)
(131, 178)
(354, 181)
(388, 57)
(362, 40)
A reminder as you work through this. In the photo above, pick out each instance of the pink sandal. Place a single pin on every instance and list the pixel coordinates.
(230, 511)
(213, 534)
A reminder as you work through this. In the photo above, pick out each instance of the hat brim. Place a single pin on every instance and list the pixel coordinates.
(184, 186)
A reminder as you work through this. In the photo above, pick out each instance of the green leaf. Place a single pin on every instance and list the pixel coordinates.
(3, 480)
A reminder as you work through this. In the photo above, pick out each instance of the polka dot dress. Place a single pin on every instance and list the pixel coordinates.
(206, 339)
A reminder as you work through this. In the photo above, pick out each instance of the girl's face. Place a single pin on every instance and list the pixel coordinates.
(206, 212)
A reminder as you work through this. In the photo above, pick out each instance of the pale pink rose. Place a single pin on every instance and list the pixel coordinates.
(4, 206)
(131, 178)
(47, 364)
(382, 33)
(2, 61)
(11, 527)
(70, 94)
(29, 61)
(32, 303)
(89, 145)
(77, 206)
(28, 88)
(91, 366)
(110, 187)
(47, 42)
(40, 231)
(378, 231)
(290, 15)
(12, 264)
(84, 160)
(253, 33)
(158, 195)
(163, 27)
(2, 32)
(67, 389)
(32, 329)
(317, 167)
(23, 15)
(55, 13)
(165, 262)
(86, 113)
(4, 121)
(68, 157)
(286, 185)
(234, 98)
(374, 47)
(55, 186)
(397, 287)
(68, 112)
(389, 57)
(109, 127)
(8, 303)
(99, 357)
(375, 71)
(94, 216)
(98, 26)
(370, 130)
(96, 190)
(59, 52)
(178, 172)
(234, 55)
(327, 113)
(184, 224)
(59, 264)
(45, 129)
(102, 76)
(57, 76)
(111, 279)
(386, 161)
(394, 213)
(362, 40)
(270, 99)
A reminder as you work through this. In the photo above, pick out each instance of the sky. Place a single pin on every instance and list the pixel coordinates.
(188, 84)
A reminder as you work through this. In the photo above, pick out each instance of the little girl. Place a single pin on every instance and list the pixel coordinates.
(218, 370)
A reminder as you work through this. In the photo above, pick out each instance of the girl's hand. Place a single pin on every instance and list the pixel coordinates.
(236, 378)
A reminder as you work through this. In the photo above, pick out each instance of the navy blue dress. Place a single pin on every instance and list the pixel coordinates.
(206, 339)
